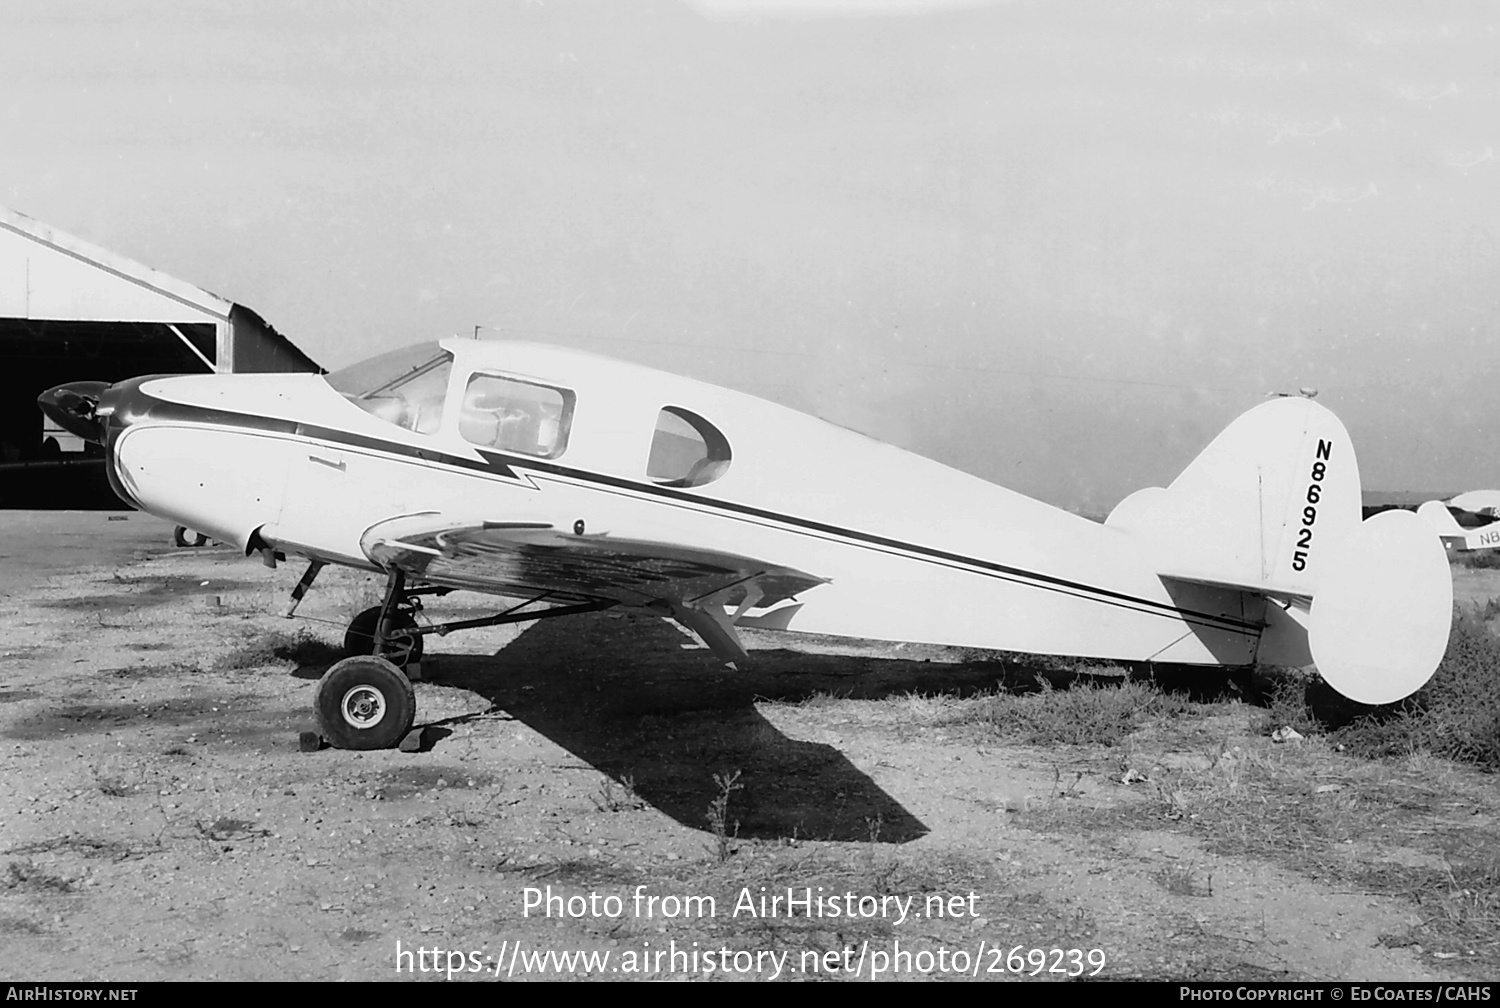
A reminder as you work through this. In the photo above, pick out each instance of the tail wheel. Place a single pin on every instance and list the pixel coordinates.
(400, 648)
(364, 703)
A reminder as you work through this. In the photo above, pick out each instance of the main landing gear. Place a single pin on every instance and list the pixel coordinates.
(366, 701)
(398, 645)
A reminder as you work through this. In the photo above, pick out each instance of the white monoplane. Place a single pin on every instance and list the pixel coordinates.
(576, 483)
(1467, 522)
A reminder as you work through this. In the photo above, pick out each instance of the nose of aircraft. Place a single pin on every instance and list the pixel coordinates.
(75, 408)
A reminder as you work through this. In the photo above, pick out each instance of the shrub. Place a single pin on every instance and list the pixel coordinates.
(1288, 695)
(1455, 716)
(1487, 559)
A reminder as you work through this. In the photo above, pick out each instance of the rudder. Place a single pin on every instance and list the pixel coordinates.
(1260, 507)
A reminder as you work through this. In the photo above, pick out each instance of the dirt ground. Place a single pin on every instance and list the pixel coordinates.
(591, 782)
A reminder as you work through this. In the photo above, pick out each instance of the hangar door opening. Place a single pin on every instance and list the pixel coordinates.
(44, 466)
(71, 311)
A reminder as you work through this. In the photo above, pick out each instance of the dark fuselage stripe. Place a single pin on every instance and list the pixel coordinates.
(508, 465)
(968, 566)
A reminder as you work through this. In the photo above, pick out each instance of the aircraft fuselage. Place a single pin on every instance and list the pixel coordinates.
(911, 549)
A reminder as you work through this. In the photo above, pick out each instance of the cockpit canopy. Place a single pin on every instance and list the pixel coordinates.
(405, 387)
(410, 387)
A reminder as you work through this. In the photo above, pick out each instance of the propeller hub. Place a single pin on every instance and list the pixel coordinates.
(75, 408)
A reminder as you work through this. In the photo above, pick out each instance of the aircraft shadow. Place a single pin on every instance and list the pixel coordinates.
(622, 693)
(644, 703)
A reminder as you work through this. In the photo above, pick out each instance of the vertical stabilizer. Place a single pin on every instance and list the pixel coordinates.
(1272, 507)
(1260, 507)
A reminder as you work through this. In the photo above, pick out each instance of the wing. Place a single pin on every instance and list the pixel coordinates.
(527, 558)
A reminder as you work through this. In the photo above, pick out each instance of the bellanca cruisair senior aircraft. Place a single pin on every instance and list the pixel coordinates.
(572, 483)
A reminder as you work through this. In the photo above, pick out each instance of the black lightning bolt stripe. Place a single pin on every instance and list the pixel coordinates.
(166, 411)
(507, 466)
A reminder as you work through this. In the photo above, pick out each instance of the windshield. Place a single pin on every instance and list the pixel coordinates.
(404, 387)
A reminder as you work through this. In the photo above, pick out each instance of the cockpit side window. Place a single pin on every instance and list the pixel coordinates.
(686, 450)
(406, 387)
(516, 416)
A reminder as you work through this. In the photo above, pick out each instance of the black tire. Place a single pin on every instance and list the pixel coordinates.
(359, 639)
(180, 537)
(364, 703)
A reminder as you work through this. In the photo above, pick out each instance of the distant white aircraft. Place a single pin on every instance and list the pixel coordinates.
(1466, 522)
(575, 483)
(1482, 504)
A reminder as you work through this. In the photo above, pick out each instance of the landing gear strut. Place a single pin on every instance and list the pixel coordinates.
(385, 629)
(366, 701)
(400, 647)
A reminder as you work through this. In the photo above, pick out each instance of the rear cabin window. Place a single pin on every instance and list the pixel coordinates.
(686, 450)
(516, 416)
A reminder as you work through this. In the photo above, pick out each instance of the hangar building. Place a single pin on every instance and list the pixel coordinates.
(70, 311)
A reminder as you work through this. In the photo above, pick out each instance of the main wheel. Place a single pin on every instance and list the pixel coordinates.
(364, 703)
(402, 649)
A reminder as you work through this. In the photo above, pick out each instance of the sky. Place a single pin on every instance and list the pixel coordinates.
(1056, 245)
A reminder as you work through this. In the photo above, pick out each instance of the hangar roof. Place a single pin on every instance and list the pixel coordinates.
(47, 274)
(141, 294)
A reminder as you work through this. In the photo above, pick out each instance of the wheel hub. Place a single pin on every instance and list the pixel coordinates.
(363, 707)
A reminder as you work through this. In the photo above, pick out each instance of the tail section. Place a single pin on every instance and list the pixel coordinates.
(1439, 519)
(1272, 508)
(1484, 503)
(1260, 507)
(1382, 611)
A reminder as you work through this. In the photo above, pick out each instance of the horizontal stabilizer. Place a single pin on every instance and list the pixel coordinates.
(1272, 508)
(1384, 606)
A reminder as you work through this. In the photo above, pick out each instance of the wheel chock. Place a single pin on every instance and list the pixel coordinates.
(309, 741)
